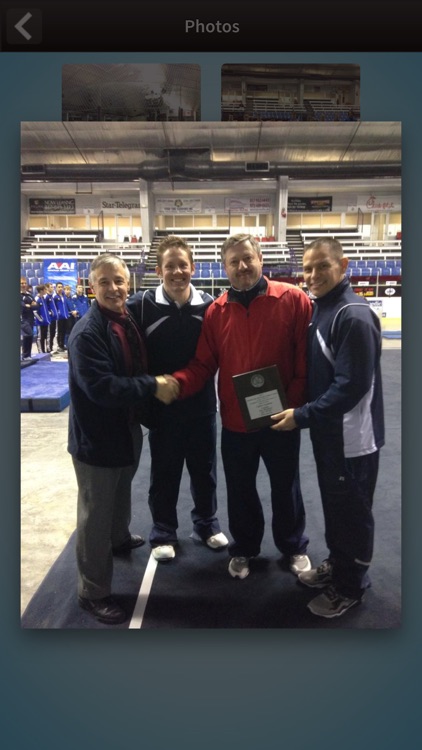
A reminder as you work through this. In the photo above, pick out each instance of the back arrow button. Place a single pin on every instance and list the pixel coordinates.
(20, 26)
(24, 26)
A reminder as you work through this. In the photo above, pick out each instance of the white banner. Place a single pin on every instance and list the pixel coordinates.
(253, 205)
(169, 206)
(375, 202)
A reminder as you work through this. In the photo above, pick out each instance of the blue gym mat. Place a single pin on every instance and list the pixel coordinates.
(44, 387)
(391, 334)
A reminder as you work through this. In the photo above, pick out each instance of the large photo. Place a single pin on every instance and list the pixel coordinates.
(175, 511)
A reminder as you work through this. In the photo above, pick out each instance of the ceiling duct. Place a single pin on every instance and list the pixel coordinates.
(257, 166)
(33, 169)
(192, 169)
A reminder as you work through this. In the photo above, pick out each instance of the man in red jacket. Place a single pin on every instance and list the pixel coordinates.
(256, 323)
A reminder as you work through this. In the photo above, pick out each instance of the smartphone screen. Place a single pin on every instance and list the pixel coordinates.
(200, 82)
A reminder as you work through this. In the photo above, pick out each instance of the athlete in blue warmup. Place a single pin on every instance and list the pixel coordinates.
(346, 421)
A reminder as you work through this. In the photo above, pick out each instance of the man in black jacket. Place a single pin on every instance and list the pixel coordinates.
(171, 317)
(108, 389)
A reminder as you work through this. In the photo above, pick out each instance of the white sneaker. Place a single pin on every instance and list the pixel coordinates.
(299, 564)
(164, 552)
(239, 567)
(218, 541)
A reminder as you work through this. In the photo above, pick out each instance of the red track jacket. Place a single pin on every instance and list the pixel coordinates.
(273, 330)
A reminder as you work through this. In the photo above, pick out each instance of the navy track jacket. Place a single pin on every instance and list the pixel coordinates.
(344, 377)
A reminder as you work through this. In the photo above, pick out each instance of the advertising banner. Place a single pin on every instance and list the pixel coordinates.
(252, 205)
(169, 206)
(61, 269)
(301, 205)
(52, 206)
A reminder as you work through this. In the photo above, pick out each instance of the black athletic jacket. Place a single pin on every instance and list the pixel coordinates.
(171, 332)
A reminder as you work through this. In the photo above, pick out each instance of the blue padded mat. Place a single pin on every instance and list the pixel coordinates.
(391, 334)
(44, 387)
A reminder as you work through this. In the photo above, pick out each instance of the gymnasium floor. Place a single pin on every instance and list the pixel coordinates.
(48, 493)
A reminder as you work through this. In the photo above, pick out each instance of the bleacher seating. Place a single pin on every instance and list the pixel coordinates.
(367, 260)
(329, 111)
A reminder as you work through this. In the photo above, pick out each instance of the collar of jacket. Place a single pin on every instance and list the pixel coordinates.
(333, 294)
(245, 297)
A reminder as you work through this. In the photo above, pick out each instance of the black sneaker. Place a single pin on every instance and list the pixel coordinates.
(318, 578)
(331, 603)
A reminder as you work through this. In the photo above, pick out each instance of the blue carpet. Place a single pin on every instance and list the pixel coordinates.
(44, 387)
(195, 590)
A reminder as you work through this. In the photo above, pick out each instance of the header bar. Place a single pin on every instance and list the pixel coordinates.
(228, 26)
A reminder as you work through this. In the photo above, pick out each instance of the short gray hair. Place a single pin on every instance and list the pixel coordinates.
(107, 259)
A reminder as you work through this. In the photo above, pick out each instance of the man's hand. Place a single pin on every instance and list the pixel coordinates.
(167, 388)
(284, 420)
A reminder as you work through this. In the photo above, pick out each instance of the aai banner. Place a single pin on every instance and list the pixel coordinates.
(61, 269)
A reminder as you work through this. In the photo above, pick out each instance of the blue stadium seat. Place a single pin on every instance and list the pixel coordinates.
(353, 263)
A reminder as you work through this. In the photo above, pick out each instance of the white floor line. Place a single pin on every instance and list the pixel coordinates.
(144, 591)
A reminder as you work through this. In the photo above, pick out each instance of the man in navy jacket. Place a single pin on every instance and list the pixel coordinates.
(108, 389)
(345, 416)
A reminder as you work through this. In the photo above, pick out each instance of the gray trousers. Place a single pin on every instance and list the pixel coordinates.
(103, 518)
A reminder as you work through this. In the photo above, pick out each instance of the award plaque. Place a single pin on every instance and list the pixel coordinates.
(260, 394)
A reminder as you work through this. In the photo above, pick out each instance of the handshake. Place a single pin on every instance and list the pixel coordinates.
(168, 388)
